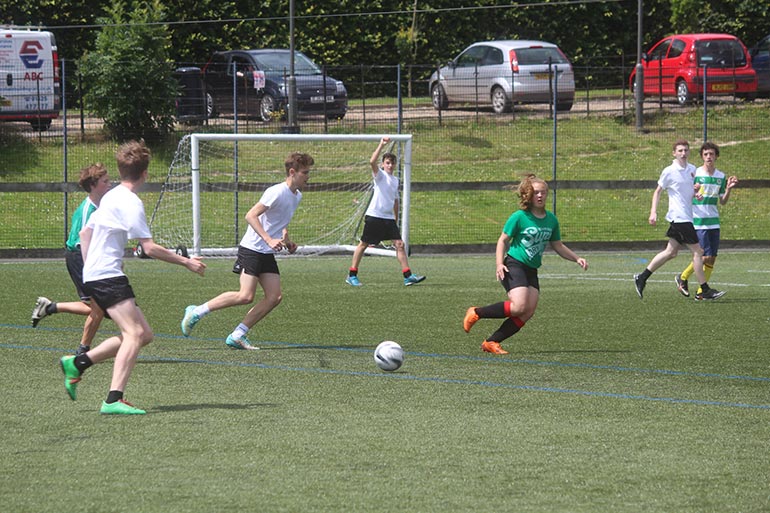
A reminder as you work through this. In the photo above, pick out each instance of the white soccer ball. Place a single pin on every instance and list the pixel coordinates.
(388, 356)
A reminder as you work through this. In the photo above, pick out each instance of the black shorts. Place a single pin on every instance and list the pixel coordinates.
(255, 263)
(74, 260)
(109, 291)
(377, 229)
(683, 233)
(519, 275)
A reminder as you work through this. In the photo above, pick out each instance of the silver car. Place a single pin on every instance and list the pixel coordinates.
(503, 72)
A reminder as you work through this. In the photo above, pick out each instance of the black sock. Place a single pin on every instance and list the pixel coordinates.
(494, 311)
(407, 273)
(645, 274)
(114, 396)
(704, 286)
(51, 309)
(82, 362)
(506, 329)
(353, 272)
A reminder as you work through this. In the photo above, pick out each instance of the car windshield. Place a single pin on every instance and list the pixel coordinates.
(530, 56)
(279, 61)
(720, 53)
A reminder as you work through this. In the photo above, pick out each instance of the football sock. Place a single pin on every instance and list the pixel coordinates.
(82, 362)
(688, 272)
(52, 308)
(202, 310)
(407, 272)
(353, 271)
(494, 311)
(240, 331)
(510, 327)
(707, 270)
(114, 396)
(645, 274)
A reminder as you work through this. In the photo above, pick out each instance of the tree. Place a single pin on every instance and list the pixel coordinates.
(128, 77)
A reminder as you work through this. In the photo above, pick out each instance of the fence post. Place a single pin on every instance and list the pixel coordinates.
(476, 86)
(363, 95)
(705, 103)
(400, 116)
(64, 145)
(554, 95)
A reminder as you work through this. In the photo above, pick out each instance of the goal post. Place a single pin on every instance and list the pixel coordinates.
(215, 178)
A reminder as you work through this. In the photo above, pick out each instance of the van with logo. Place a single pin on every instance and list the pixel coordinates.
(29, 77)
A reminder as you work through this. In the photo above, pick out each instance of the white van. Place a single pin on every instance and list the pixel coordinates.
(29, 77)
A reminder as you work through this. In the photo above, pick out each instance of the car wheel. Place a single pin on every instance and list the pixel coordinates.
(438, 97)
(500, 103)
(683, 96)
(267, 108)
(210, 110)
(335, 117)
(41, 125)
(564, 106)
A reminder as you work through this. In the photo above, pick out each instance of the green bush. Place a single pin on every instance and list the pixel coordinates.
(128, 78)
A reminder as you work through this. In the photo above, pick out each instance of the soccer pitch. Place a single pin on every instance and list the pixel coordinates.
(607, 403)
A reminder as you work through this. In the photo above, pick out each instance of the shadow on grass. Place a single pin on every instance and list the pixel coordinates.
(210, 406)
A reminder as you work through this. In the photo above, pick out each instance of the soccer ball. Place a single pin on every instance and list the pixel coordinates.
(388, 356)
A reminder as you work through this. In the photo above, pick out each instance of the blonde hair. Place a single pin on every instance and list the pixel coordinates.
(527, 190)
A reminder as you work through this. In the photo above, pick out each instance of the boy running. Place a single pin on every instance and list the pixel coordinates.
(714, 188)
(266, 235)
(120, 217)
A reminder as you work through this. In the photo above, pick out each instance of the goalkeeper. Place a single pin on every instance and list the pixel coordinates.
(380, 222)
(256, 264)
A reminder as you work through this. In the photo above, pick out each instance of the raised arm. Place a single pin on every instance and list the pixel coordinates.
(375, 160)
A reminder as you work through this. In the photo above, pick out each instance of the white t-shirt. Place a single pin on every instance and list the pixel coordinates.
(120, 217)
(385, 195)
(281, 204)
(678, 183)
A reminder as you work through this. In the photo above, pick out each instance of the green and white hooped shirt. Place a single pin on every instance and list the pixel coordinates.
(705, 211)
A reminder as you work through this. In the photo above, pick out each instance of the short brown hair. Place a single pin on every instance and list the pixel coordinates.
(90, 175)
(297, 161)
(390, 156)
(680, 142)
(133, 159)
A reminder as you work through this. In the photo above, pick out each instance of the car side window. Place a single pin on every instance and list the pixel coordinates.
(241, 65)
(763, 48)
(660, 51)
(677, 47)
(493, 57)
(472, 57)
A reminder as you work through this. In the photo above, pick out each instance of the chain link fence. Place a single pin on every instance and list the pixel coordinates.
(602, 168)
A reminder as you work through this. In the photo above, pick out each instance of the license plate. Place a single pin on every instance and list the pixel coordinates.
(723, 88)
(320, 99)
(540, 76)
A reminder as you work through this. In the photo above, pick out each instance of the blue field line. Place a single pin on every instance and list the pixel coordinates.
(485, 359)
(426, 379)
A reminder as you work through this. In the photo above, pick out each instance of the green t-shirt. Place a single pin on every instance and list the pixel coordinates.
(79, 219)
(530, 235)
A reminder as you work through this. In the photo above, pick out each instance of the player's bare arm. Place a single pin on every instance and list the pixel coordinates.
(374, 161)
(252, 217)
(158, 252)
(500, 251)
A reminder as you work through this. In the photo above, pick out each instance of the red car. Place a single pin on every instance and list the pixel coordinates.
(675, 66)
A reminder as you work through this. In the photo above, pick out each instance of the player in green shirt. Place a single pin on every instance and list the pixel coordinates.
(96, 182)
(519, 254)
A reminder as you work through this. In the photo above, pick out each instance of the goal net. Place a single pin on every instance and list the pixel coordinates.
(214, 179)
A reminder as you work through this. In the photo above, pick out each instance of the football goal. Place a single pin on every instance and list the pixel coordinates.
(214, 179)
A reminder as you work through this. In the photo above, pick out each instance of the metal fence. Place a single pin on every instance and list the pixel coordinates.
(599, 165)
